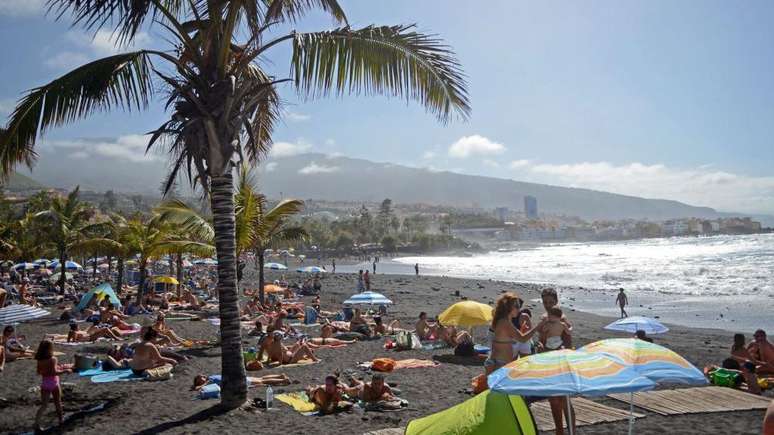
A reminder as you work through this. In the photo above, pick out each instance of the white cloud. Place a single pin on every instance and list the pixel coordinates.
(491, 163)
(66, 60)
(428, 155)
(18, 8)
(697, 186)
(517, 164)
(271, 166)
(296, 117)
(330, 142)
(127, 148)
(314, 168)
(468, 146)
(286, 149)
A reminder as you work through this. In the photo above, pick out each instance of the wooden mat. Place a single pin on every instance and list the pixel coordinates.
(695, 400)
(587, 412)
(388, 431)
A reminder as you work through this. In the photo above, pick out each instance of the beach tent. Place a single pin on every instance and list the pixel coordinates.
(487, 413)
(101, 291)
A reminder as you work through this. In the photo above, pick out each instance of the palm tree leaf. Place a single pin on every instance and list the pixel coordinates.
(292, 10)
(388, 60)
(184, 216)
(123, 80)
(126, 17)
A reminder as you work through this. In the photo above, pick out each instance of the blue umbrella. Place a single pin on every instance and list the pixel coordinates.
(368, 298)
(25, 266)
(311, 269)
(18, 313)
(42, 262)
(637, 323)
(69, 265)
(275, 266)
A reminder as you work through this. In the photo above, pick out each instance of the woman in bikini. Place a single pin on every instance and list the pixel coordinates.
(49, 369)
(276, 351)
(505, 334)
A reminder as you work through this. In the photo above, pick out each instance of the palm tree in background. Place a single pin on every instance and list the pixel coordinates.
(69, 228)
(223, 102)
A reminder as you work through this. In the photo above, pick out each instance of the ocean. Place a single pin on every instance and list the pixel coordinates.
(722, 282)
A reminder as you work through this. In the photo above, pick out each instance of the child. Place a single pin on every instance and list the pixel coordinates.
(553, 329)
(50, 370)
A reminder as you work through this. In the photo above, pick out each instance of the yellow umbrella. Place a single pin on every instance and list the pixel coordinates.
(167, 280)
(466, 314)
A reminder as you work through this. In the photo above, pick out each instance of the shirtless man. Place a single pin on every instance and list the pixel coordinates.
(328, 397)
(551, 299)
(423, 328)
(374, 391)
(359, 324)
(762, 353)
(147, 356)
(622, 302)
(276, 351)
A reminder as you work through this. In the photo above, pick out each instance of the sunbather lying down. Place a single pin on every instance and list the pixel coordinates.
(327, 342)
(273, 347)
(201, 380)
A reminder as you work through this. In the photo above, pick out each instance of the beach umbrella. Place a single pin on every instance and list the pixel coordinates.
(55, 277)
(19, 313)
(275, 266)
(42, 262)
(103, 266)
(69, 265)
(167, 280)
(567, 373)
(637, 323)
(311, 269)
(652, 361)
(368, 298)
(187, 263)
(466, 314)
(25, 266)
(44, 272)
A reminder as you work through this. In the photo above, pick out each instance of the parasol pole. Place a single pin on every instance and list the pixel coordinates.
(631, 412)
(570, 426)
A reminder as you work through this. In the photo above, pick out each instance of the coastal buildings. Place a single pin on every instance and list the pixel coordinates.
(530, 207)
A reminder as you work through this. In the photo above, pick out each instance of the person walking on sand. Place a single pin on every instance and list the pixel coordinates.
(375, 265)
(622, 302)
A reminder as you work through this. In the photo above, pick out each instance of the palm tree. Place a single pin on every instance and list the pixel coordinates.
(68, 223)
(224, 105)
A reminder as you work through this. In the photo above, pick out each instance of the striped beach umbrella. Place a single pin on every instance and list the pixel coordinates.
(69, 265)
(637, 323)
(567, 373)
(25, 266)
(275, 266)
(19, 313)
(368, 298)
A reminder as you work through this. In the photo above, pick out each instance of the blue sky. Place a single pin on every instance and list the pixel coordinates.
(651, 98)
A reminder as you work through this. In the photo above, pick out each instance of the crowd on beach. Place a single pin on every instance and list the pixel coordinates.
(284, 328)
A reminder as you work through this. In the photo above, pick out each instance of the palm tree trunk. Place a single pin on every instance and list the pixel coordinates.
(120, 279)
(141, 285)
(62, 269)
(234, 386)
(179, 265)
(95, 265)
(261, 279)
(110, 265)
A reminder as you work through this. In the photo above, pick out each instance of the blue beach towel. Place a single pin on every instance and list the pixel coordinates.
(115, 376)
(481, 349)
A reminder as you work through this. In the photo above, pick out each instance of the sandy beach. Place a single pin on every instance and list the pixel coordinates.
(170, 407)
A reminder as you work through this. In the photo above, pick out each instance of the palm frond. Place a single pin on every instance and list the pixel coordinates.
(186, 218)
(292, 10)
(126, 17)
(123, 80)
(388, 60)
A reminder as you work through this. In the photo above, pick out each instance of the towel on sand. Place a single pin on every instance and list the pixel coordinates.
(303, 362)
(299, 401)
(411, 363)
(116, 376)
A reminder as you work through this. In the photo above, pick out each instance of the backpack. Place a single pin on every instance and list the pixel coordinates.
(403, 340)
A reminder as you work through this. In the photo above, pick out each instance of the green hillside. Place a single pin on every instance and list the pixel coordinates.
(19, 182)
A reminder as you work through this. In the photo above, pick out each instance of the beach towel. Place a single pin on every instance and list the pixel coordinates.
(481, 349)
(413, 363)
(303, 362)
(116, 376)
(385, 405)
(299, 401)
(433, 345)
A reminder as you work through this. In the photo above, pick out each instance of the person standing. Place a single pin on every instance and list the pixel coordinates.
(360, 281)
(375, 266)
(622, 302)
(333, 264)
(367, 281)
(416, 269)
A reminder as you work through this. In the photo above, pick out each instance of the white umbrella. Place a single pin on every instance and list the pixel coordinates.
(368, 298)
(18, 313)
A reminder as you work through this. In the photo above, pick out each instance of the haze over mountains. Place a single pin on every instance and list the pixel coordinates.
(318, 176)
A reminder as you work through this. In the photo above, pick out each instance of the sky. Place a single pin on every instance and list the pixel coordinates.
(659, 99)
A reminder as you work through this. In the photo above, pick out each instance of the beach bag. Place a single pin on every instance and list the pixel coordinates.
(383, 364)
(403, 341)
(85, 362)
(210, 391)
(726, 378)
(416, 343)
(465, 349)
(159, 373)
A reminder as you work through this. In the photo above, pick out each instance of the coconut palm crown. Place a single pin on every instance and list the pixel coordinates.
(223, 105)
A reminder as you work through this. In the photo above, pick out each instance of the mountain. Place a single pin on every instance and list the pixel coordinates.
(318, 176)
(340, 178)
(20, 183)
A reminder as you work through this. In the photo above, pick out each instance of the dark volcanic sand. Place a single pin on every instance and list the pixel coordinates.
(169, 406)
